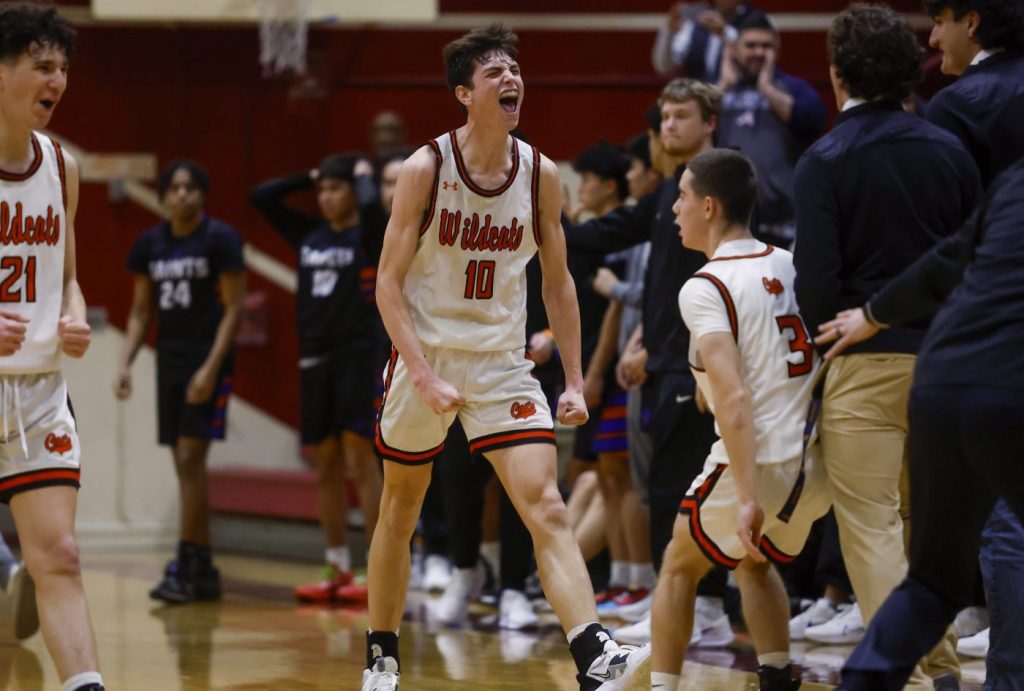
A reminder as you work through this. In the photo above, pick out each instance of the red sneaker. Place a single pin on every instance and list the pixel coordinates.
(325, 590)
(354, 593)
(631, 597)
(609, 594)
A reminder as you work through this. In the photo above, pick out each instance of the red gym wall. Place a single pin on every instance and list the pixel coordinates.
(198, 93)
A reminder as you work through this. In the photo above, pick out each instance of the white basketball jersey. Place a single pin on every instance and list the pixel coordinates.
(33, 225)
(466, 286)
(747, 289)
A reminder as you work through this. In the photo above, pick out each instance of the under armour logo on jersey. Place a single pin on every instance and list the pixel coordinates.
(453, 185)
(521, 411)
(55, 444)
(773, 286)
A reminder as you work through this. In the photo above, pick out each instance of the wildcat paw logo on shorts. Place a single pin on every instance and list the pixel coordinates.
(55, 444)
(773, 286)
(521, 411)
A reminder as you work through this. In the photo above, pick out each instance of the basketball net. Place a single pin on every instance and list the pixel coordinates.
(284, 27)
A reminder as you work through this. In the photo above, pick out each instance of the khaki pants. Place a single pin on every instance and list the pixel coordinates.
(863, 433)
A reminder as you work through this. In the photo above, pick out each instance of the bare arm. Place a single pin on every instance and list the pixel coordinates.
(735, 416)
(232, 290)
(604, 354)
(559, 292)
(412, 199)
(139, 317)
(73, 328)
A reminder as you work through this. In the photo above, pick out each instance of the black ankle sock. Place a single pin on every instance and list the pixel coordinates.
(387, 641)
(588, 645)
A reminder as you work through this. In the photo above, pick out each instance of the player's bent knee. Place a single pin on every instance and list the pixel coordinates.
(58, 558)
(548, 512)
(682, 554)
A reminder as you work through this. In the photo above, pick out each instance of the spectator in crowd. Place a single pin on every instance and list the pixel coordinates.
(694, 37)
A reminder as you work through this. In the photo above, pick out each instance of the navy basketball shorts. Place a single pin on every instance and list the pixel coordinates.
(178, 418)
(337, 394)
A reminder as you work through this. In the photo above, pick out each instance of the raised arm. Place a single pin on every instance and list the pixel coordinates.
(413, 192)
(559, 292)
(73, 328)
(290, 223)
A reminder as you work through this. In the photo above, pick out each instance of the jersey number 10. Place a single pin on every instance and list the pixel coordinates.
(479, 280)
(18, 266)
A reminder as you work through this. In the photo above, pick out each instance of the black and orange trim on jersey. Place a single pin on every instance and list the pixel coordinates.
(37, 160)
(763, 253)
(535, 196)
(36, 479)
(730, 306)
(769, 549)
(428, 217)
(691, 506)
(464, 174)
(62, 172)
(504, 440)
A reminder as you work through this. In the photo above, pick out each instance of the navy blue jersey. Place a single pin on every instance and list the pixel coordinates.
(185, 272)
(336, 310)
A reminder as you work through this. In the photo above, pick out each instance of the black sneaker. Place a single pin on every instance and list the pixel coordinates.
(775, 679)
(182, 585)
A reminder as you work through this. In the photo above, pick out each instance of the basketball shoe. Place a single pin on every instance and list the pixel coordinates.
(19, 602)
(326, 589)
(383, 676)
(187, 581)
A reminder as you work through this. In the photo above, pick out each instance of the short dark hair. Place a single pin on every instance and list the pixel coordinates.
(607, 162)
(1002, 21)
(200, 178)
(640, 147)
(757, 20)
(462, 55)
(338, 167)
(728, 176)
(875, 52)
(24, 25)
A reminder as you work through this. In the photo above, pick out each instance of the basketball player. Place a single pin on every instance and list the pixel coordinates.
(189, 270)
(471, 209)
(755, 365)
(338, 346)
(42, 315)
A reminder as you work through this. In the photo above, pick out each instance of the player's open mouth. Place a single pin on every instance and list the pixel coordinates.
(47, 103)
(509, 101)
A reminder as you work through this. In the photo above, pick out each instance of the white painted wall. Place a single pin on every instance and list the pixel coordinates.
(129, 495)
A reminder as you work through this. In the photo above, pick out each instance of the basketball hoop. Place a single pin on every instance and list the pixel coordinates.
(284, 27)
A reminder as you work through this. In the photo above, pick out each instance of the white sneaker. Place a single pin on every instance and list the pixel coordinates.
(712, 622)
(846, 627)
(637, 633)
(464, 586)
(621, 667)
(969, 621)
(383, 676)
(974, 646)
(20, 602)
(437, 573)
(822, 611)
(515, 611)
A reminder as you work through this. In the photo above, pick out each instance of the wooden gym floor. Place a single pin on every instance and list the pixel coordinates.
(258, 638)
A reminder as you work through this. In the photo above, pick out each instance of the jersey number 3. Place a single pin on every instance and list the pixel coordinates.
(798, 343)
(479, 280)
(18, 266)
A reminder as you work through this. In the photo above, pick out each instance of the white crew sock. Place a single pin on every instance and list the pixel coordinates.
(340, 557)
(82, 679)
(643, 575)
(776, 660)
(620, 575)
